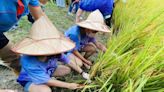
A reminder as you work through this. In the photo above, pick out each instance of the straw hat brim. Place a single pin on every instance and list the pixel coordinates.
(43, 47)
(95, 26)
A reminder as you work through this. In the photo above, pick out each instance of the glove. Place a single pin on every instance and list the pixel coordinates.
(85, 75)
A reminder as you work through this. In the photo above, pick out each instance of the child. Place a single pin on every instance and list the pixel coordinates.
(41, 51)
(105, 7)
(83, 34)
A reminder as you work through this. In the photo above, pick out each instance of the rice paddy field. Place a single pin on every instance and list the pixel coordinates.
(134, 61)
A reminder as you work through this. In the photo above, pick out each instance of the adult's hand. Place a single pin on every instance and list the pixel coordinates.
(76, 1)
(43, 1)
(36, 12)
(78, 15)
(7, 90)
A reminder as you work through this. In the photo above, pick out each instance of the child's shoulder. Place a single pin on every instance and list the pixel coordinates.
(73, 30)
(26, 60)
(27, 57)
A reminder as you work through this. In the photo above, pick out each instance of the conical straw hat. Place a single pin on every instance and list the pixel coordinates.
(95, 21)
(44, 39)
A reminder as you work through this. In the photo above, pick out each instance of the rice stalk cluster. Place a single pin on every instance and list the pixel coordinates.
(134, 61)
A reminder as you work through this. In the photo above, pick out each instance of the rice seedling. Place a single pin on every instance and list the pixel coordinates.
(134, 61)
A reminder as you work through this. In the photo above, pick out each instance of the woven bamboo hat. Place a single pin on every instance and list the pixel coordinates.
(44, 39)
(95, 21)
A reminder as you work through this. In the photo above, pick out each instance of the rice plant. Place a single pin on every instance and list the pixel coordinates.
(134, 61)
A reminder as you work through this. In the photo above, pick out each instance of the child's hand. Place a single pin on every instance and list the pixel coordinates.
(87, 66)
(104, 49)
(75, 86)
(101, 47)
(88, 62)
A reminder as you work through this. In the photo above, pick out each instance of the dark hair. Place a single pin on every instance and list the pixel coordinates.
(82, 30)
(57, 55)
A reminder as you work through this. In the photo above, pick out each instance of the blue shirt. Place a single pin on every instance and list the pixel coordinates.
(73, 33)
(8, 12)
(36, 71)
(105, 6)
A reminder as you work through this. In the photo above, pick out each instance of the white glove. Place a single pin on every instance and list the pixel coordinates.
(85, 75)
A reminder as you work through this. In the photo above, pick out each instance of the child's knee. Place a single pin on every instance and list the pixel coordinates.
(45, 89)
(75, 60)
(39, 88)
(80, 63)
(67, 70)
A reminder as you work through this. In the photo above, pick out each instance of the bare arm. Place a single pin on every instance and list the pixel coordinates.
(100, 46)
(57, 83)
(75, 67)
(76, 1)
(76, 53)
(78, 15)
(43, 1)
(36, 12)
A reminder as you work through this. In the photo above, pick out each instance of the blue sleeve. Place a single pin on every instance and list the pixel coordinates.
(86, 5)
(35, 72)
(64, 59)
(75, 39)
(37, 75)
(34, 2)
(73, 34)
